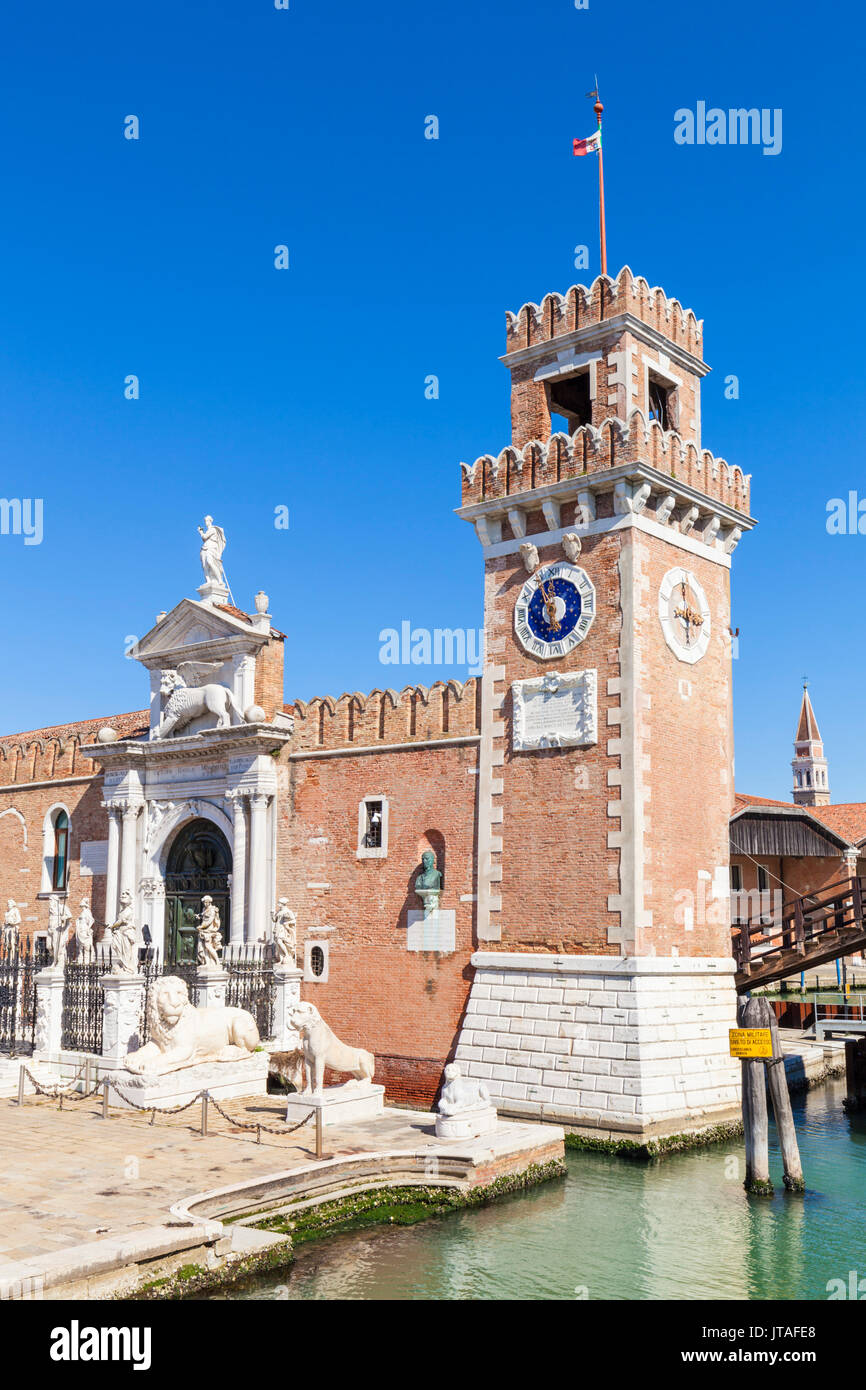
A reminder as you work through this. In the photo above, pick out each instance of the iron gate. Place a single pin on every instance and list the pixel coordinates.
(83, 999)
(19, 962)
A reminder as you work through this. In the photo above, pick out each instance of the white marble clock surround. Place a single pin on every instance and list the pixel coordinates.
(669, 583)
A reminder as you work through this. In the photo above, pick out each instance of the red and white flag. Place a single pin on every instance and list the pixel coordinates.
(589, 146)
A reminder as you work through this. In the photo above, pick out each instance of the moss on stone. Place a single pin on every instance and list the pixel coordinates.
(192, 1280)
(645, 1150)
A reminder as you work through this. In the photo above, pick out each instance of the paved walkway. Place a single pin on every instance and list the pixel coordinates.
(69, 1177)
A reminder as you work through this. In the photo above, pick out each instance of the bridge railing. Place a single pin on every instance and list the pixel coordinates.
(804, 922)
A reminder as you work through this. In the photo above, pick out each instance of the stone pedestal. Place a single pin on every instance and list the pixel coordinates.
(287, 979)
(467, 1124)
(210, 986)
(435, 930)
(248, 1076)
(49, 1009)
(121, 1018)
(340, 1105)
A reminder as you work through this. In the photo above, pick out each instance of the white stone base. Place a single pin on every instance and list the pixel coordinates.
(468, 1124)
(432, 931)
(340, 1105)
(625, 1045)
(224, 1081)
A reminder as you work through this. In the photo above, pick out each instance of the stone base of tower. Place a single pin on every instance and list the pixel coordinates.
(611, 1046)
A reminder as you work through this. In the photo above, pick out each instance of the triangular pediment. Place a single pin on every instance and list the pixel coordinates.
(196, 631)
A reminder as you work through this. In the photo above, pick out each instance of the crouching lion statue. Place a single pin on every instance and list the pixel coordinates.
(181, 1034)
(323, 1049)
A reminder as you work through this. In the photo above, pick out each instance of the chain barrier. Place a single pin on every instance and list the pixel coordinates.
(62, 1093)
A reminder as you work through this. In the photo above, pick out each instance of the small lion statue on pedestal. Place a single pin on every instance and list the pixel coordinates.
(323, 1049)
(181, 1034)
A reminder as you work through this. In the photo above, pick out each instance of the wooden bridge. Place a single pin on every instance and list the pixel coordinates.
(811, 931)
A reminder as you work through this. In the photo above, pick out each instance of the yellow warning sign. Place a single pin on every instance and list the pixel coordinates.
(751, 1042)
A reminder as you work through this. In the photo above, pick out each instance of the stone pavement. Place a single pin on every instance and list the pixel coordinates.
(69, 1177)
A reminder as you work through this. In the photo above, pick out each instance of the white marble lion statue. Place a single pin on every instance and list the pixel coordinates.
(181, 1034)
(186, 699)
(323, 1049)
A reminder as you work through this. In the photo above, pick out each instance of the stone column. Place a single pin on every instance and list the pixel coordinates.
(127, 848)
(210, 986)
(287, 981)
(256, 922)
(49, 1010)
(239, 868)
(121, 1016)
(111, 890)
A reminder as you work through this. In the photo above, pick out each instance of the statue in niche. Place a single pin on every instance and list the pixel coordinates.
(124, 938)
(59, 922)
(187, 695)
(11, 924)
(428, 884)
(84, 933)
(210, 941)
(285, 933)
(213, 543)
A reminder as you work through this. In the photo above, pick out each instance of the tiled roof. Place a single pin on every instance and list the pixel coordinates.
(127, 725)
(848, 819)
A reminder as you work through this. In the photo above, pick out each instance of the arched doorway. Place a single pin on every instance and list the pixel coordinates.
(199, 862)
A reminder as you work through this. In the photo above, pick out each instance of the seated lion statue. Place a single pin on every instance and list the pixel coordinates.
(323, 1049)
(181, 1034)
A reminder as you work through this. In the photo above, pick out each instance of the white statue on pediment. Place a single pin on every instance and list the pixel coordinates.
(187, 696)
(213, 543)
(84, 932)
(11, 924)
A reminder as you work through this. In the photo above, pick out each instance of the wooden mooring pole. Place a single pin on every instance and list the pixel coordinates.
(755, 1108)
(779, 1094)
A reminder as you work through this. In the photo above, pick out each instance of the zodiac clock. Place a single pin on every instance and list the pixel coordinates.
(554, 610)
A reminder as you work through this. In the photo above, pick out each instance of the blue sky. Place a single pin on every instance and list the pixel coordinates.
(305, 388)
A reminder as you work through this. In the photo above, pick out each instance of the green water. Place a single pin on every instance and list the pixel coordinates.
(681, 1228)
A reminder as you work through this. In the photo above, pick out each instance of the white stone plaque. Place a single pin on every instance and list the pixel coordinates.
(555, 711)
(436, 931)
(93, 858)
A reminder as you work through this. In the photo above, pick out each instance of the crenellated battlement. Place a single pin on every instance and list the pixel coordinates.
(447, 709)
(54, 754)
(592, 450)
(584, 305)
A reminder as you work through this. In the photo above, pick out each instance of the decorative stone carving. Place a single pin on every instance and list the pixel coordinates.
(555, 711)
(464, 1109)
(285, 933)
(213, 543)
(157, 813)
(585, 510)
(428, 884)
(323, 1049)
(182, 1035)
(665, 508)
(572, 546)
(11, 923)
(186, 699)
(59, 922)
(529, 556)
(84, 932)
(210, 942)
(261, 602)
(124, 938)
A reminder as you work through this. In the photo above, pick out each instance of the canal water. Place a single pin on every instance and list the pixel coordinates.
(680, 1228)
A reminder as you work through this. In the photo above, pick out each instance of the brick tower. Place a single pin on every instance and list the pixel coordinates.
(604, 981)
(811, 780)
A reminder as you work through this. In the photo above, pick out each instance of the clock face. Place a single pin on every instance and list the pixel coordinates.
(554, 610)
(684, 614)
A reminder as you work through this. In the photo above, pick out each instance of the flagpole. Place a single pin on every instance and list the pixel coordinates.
(598, 108)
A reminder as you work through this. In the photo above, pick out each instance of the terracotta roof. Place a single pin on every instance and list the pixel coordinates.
(741, 800)
(848, 819)
(245, 617)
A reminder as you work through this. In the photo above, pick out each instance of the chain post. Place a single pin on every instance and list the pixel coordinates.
(204, 1101)
(20, 1085)
(320, 1131)
(105, 1099)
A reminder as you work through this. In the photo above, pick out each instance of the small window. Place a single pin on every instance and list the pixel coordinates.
(763, 879)
(316, 962)
(736, 878)
(61, 851)
(660, 403)
(373, 828)
(569, 398)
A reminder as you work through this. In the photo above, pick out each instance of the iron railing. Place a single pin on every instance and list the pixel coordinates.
(251, 984)
(19, 962)
(83, 1000)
